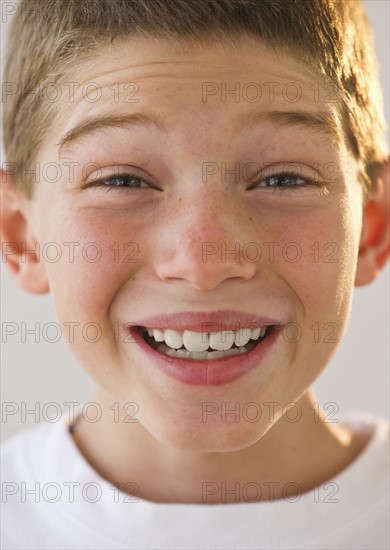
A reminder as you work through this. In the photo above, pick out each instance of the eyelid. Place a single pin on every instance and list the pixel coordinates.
(306, 181)
(273, 171)
(285, 175)
(127, 172)
(289, 169)
(311, 184)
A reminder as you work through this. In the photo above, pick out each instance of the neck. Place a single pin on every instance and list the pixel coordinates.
(292, 458)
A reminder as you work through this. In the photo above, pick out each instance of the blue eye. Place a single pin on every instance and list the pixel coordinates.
(124, 181)
(288, 184)
(282, 180)
(121, 181)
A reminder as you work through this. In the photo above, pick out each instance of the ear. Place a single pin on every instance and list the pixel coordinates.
(19, 249)
(374, 246)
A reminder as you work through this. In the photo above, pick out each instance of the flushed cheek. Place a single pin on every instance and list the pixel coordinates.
(97, 259)
(85, 284)
(316, 258)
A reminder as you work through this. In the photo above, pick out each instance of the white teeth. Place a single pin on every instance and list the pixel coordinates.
(255, 333)
(242, 336)
(198, 342)
(222, 341)
(173, 339)
(203, 355)
(157, 334)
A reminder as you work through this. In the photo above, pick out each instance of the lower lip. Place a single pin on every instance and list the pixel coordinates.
(208, 372)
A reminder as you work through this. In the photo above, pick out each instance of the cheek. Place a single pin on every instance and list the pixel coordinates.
(99, 255)
(316, 256)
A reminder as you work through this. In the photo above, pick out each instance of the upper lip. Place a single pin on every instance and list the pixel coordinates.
(205, 321)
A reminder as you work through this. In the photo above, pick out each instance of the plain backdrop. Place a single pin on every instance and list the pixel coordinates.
(38, 373)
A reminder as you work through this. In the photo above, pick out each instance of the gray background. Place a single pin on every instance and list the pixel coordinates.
(38, 373)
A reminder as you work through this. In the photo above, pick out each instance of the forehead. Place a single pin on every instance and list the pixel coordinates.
(186, 84)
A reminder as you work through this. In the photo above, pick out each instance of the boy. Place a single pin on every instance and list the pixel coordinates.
(215, 176)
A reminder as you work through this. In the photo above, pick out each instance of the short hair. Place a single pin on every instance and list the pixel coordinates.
(49, 39)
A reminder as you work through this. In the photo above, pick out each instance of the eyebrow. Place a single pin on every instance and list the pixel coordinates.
(92, 125)
(319, 122)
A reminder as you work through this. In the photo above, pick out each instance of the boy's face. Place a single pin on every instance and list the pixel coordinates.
(205, 183)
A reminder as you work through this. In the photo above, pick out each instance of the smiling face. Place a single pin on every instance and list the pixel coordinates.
(205, 167)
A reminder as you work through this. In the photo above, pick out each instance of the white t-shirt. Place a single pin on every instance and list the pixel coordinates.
(72, 507)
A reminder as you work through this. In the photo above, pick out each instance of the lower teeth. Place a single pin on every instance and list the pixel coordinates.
(201, 355)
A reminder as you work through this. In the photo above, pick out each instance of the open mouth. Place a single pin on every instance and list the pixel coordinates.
(208, 354)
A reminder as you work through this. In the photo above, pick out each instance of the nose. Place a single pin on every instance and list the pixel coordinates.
(206, 246)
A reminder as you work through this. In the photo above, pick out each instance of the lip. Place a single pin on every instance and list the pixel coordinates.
(214, 372)
(197, 321)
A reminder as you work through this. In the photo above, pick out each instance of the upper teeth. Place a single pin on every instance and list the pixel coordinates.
(201, 341)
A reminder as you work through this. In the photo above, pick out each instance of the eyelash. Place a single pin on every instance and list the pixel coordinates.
(126, 176)
(307, 182)
(285, 176)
